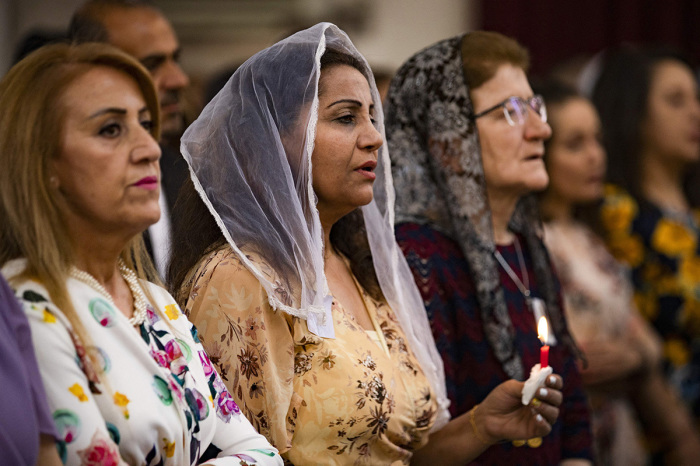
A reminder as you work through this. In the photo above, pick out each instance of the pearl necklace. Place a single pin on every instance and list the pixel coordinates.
(130, 276)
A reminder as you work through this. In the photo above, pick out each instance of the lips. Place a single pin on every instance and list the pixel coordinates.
(148, 182)
(367, 169)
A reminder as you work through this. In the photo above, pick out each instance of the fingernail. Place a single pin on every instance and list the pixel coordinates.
(543, 392)
(539, 418)
(552, 379)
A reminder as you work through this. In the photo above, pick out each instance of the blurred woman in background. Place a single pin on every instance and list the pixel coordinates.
(623, 376)
(649, 109)
(126, 377)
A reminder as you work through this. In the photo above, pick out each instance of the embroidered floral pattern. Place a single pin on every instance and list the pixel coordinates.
(336, 397)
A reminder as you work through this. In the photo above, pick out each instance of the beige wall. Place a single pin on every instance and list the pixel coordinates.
(216, 33)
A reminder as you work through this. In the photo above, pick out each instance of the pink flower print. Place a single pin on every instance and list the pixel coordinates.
(101, 452)
(161, 357)
(206, 363)
(151, 315)
(177, 359)
(176, 389)
(225, 406)
(219, 384)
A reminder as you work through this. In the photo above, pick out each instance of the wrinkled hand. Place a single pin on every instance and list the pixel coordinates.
(502, 415)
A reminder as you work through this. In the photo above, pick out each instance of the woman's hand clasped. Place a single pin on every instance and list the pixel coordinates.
(502, 416)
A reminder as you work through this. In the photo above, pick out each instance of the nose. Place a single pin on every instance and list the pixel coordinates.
(146, 148)
(171, 77)
(370, 139)
(535, 128)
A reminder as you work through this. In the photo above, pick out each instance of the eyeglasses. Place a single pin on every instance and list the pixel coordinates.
(515, 109)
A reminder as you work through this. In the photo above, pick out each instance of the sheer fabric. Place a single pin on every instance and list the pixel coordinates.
(250, 158)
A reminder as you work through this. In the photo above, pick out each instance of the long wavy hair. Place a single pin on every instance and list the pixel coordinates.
(31, 127)
(621, 95)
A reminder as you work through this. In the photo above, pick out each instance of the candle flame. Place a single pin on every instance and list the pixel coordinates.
(543, 330)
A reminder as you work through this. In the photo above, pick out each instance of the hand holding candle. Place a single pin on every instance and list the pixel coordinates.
(543, 335)
(539, 372)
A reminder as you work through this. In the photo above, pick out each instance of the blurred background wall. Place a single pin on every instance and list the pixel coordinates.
(216, 34)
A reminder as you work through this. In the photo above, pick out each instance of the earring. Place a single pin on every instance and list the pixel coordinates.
(53, 181)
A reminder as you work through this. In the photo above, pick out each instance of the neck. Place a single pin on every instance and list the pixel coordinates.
(502, 208)
(327, 225)
(554, 208)
(97, 253)
(662, 183)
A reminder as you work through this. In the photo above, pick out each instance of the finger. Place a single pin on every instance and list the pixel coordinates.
(550, 396)
(542, 424)
(555, 381)
(547, 412)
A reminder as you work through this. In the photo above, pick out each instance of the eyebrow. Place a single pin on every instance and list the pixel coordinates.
(157, 59)
(116, 110)
(353, 102)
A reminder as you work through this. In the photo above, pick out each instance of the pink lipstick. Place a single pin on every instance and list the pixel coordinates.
(149, 182)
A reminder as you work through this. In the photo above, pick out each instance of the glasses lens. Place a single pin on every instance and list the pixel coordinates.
(515, 111)
(537, 104)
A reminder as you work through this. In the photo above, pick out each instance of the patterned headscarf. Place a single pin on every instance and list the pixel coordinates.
(439, 180)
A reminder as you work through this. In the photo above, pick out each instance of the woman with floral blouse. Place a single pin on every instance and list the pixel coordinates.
(126, 377)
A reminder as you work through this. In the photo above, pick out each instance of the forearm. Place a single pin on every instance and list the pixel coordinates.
(455, 444)
(662, 412)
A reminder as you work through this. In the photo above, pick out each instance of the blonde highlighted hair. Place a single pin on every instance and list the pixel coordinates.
(31, 126)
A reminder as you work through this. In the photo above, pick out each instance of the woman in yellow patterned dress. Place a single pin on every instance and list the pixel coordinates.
(289, 269)
(648, 104)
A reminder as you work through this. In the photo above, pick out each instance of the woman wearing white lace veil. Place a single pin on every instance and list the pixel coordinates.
(304, 301)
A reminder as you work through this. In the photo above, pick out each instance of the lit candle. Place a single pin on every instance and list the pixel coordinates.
(543, 334)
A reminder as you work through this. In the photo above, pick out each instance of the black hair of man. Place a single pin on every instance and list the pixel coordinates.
(86, 24)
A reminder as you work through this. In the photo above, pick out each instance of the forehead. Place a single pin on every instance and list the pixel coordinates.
(672, 73)
(508, 81)
(573, 114)
(140, 32)
(345, 81)
(101, 87)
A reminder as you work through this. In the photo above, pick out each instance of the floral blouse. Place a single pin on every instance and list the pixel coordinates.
(663, 251)
(358, 398)
(157, 400)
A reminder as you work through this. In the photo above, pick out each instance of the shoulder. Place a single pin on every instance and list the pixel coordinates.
(424, 240)
(618, 210)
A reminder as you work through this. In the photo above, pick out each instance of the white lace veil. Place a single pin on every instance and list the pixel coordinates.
(249, 154)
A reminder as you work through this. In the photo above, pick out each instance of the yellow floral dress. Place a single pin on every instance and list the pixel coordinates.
(360, 398)
(663, 252)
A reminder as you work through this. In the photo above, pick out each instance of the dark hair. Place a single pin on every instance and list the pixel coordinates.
(197, 234)
(556, 94)
(86, 25)
(621, 95)
(349, 235)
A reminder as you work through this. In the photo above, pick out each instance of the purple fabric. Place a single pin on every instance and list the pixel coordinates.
(24, 412)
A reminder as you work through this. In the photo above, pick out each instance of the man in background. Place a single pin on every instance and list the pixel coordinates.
(138, 28)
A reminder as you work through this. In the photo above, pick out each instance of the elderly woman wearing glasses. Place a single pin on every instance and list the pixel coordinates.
(466, 136)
